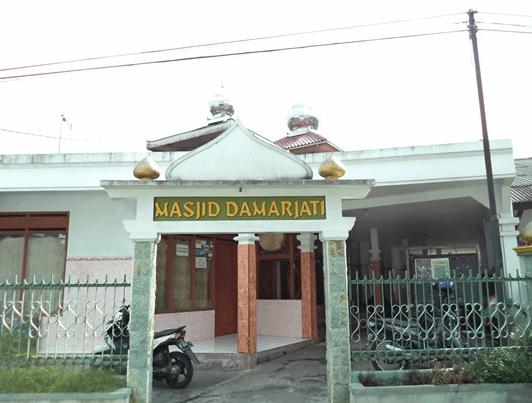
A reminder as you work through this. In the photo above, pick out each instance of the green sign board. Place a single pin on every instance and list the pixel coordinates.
(238, 208)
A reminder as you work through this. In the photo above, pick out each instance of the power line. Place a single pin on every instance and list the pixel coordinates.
(229, 42)
(229, 54)
(506, 24)
(506, 15)
(505, 30)
(56, 138)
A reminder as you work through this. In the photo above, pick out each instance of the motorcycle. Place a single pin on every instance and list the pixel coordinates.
(174, 367)
(437, 327)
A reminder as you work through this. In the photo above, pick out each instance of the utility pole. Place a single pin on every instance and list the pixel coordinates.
(494, 231)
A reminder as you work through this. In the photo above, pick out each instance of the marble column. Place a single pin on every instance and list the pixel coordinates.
(336, 318)
(141, 326)
(308, 285)
(247, 293)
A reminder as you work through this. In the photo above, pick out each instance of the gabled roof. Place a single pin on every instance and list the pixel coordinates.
(190, 140)
(238, 153)
(522, 185)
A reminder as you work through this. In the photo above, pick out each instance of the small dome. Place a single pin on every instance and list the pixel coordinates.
(147, 169)
(331, 168)
(526, 234)
(221, 107)
(301, 117)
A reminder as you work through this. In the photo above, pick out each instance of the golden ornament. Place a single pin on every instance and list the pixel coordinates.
(526, 234)
(332, 168)
(147, 169)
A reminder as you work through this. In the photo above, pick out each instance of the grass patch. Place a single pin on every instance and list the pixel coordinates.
(58, 380)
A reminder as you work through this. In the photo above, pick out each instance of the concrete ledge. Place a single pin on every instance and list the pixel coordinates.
(119, 396)
(471, 393)
(238, 362)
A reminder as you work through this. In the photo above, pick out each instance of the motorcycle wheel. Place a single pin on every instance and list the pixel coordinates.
(384, 364)
(186, 370)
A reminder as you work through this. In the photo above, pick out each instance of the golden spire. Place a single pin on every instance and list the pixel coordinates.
(332, 168)
(526, 234)
(147, 169)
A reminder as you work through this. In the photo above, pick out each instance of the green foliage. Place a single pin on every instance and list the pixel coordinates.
(501, 366)
(458, 374)
(409, 378)
(15, 346)
(57, 380)
(370, 380)
(521, 337)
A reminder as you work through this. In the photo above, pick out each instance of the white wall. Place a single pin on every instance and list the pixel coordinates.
(95, 229)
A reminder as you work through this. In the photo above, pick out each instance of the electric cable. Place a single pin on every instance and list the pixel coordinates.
(227, 42)
(505, 24)
(504, 30)
(55, 137)
(251, 52)
(506, 15)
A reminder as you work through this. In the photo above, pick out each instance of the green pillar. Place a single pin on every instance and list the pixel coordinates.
(141, 327)
(336, 320)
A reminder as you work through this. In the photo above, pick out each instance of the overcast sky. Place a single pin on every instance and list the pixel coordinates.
(372, 93)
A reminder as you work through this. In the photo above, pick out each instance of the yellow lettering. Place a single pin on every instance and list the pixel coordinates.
(175, 210)
(305, 209)
(213, 208)
(285, 207)
(314, 206)
(198, 210)
(203, 209)
(159, 212)
(231, 205)
(261, 211)
(189, 210)
(297, 209)
(274, 209)
(245, 209)
(322, 205)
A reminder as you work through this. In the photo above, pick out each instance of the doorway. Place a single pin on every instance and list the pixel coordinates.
(225, 257)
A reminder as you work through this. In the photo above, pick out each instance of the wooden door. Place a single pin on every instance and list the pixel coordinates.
(226, 254)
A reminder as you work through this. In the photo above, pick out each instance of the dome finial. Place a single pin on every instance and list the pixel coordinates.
(301, 118)
(220, 107)
(331, 168)
(147, 169)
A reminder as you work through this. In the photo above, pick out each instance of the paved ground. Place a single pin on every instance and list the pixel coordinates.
(300, 377)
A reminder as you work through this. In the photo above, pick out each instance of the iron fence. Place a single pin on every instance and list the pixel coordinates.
(60, 323)
(398, 322)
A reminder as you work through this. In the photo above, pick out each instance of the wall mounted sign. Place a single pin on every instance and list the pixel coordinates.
(427, 268)
(239, 208)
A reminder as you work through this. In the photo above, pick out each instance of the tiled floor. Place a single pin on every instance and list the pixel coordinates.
(228, 343)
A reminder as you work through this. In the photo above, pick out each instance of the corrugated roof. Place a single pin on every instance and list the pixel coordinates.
(521, 190)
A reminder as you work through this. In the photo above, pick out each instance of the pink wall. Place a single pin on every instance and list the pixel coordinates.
(279, 317)
(200, 324)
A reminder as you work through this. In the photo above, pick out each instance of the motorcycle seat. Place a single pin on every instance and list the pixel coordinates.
(166, 332)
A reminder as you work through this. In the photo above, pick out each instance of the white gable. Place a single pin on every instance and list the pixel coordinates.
(238, 154)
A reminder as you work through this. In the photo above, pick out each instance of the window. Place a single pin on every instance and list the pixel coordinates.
(33, 248)
(33, 245)
(185, 271)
